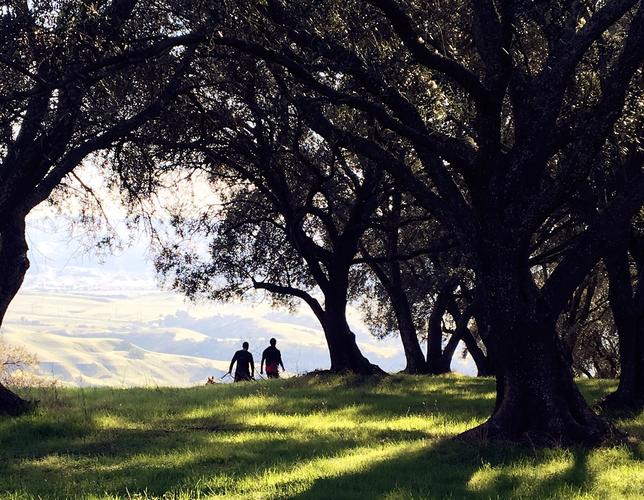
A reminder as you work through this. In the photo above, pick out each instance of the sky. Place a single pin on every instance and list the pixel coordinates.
(104, 321)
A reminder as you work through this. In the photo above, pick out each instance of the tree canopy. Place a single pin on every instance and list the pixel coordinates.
(478, 161)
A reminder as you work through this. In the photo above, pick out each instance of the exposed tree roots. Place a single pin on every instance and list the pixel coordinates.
(552, 434)
(620, 401)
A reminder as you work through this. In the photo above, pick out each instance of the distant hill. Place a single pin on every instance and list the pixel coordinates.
(157, 339)
(103, 322)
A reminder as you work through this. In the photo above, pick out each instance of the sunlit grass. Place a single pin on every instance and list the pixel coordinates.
(308, 438)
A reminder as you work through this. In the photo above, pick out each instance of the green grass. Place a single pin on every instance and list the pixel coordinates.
(298, 438)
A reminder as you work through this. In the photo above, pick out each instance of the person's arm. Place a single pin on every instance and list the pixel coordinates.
(261, 364)
(232, 362)
(281, 362)
(252, 367)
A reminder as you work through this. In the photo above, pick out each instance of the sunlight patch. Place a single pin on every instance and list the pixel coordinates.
(299, 479)
(110, 421)
(524, 473)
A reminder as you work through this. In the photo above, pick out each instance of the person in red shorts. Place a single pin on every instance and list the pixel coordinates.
(273, 359)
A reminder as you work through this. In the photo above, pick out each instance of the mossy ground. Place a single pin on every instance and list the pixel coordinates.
(334, 437)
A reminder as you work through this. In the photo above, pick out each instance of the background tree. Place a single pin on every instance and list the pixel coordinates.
(525, 135)
(625, 266)
(294, 209)
(416, 288)
(393, 298)
(76, 77)
(588, 331)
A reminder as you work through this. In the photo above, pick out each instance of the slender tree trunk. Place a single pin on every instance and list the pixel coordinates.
(343, 349)
(392, 281)
(448, 352)
(483, 366)
(537, 399)
(13, 267)
(415, 359)
(629, 320)
(416, 363)
(435, 362)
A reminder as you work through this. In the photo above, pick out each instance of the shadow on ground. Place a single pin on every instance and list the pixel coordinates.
(340, 439)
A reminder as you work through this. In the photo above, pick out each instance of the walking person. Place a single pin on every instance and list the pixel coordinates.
(273, 358)
(245, 366)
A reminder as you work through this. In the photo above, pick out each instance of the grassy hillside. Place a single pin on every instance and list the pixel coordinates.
(304, 438)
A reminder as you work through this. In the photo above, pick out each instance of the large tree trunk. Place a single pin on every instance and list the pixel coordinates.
(13, 260)
(343, 349)
(537, 399)
(13, 267)
(629, 320)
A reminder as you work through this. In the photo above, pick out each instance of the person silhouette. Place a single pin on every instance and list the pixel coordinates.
(245, 366)
(273, 358)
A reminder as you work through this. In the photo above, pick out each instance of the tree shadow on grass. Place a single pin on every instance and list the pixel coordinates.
(157, 463)
(123, 461)
(452, 469)
(198, 441)
(160, 467)
(629, 421)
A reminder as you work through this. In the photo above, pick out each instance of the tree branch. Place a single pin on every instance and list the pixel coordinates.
(295, 292)
(403, 27)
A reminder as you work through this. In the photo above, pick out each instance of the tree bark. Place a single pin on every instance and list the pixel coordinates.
(537, 399)
(343, 348)
(483, 365)
(629, 320)
(13, 267)
(435, 361)
(413, 354)
(13, 260)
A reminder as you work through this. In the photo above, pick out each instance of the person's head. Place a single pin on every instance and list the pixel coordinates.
(245, 346)
(273, 342)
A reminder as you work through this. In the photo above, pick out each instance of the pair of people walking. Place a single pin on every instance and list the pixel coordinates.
(245, 369)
